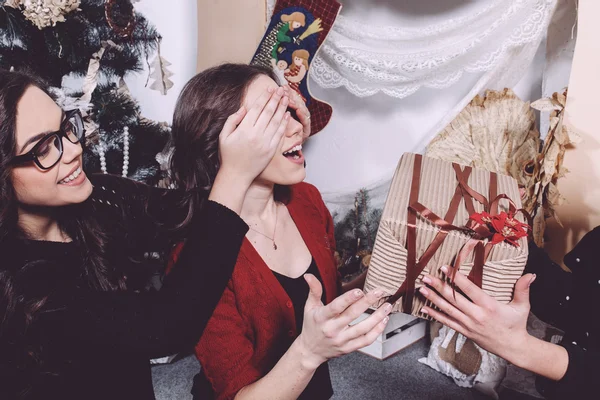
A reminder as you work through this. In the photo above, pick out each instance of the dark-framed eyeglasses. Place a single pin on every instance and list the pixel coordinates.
(48, 151)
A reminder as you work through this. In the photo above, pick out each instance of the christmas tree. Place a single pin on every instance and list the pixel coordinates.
(355, 235)
(101, 41)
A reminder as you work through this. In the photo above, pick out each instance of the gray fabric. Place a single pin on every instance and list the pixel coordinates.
(355, 376)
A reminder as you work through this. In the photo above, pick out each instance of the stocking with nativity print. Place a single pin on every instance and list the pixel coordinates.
(293, 37)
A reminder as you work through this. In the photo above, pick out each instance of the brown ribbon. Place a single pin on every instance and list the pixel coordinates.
(411, 237)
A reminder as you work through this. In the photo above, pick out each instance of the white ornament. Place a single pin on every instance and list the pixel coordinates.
(102, 152)
(44, 13)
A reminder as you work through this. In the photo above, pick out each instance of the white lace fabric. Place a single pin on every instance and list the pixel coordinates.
(368, 59)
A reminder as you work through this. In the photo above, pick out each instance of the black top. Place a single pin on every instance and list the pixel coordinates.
(297, 289)
(95, 344)
(574, 301)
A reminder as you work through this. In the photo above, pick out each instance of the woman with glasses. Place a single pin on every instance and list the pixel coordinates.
(74, 322)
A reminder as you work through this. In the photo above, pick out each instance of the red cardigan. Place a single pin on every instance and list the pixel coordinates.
(255, 319)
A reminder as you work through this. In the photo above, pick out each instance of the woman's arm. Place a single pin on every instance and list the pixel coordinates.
(142, 216)
(232, 371)
(326, 333)
(160, 323)
(581, 378)
(498, 328)
(147, 216)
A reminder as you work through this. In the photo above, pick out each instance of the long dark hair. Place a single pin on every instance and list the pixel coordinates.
(18, 305)
(202, 108)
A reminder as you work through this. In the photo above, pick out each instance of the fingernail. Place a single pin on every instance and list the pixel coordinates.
(240, 110)
(270, 90)
(286, 100)
(358, 294)
(427, 280)
(279, 90)
(378, 293)
(424, 311)
(532, 279)
(385, 320)
(287, 115)
(424, 291)
(444, 269)
(387, 308)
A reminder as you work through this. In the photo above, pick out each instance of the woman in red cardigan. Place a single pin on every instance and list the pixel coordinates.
(271, 334)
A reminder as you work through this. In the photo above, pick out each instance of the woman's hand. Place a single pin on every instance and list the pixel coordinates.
(326, 332)
(302, 112)
(247, 143)
(498, 328)
(250, 138)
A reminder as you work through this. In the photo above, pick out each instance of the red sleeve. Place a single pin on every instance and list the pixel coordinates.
(225, 349)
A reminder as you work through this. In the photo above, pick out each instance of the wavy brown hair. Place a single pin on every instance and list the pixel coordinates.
(202, 109)
(20, 361)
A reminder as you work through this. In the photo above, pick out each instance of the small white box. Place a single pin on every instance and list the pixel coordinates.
(401, 331)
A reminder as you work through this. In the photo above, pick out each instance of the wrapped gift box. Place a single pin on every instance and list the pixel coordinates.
(426, 224)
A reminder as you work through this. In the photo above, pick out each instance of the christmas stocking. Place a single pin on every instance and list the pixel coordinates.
(293, 37)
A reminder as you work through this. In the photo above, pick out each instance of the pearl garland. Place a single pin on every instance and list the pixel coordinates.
(102, 149)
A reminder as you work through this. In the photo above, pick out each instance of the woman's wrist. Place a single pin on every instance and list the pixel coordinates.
(235, 177)
(229, 189)
(540, 357)
(519, 350)
(308, 361)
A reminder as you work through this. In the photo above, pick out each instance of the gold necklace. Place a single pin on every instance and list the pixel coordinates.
(272, 239)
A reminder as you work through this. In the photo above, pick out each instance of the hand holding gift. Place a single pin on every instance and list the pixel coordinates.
(496, 327)
(442, 213)
(327, 331)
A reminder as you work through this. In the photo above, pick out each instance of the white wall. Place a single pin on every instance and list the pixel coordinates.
(581, 187)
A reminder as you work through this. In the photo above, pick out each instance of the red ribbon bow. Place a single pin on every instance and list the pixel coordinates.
(503, 227)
